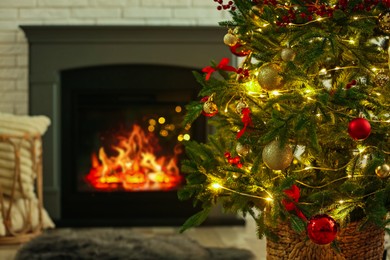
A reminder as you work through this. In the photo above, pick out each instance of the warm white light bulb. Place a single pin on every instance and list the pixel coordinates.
(361, 148)
(216, 186)
(323, 71)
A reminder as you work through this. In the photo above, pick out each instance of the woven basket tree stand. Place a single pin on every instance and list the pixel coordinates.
(28, 231)
(366, 244)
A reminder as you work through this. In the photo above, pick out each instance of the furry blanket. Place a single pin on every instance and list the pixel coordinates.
(117, 244)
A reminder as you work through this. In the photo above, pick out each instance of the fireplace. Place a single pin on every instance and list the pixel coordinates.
(116, 97)
(126, 132)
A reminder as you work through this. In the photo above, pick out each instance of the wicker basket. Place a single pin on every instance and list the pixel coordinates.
(366, 244)
(28, 230)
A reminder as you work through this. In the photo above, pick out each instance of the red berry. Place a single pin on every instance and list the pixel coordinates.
(219, 8)
(236, 159)
(231, 160)
(353, 82)
(239, 165)
(227, 155)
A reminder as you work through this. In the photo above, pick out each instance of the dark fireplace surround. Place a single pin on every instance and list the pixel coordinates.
(69, 63)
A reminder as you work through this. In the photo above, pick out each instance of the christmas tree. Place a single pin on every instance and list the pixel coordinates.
(302, 123)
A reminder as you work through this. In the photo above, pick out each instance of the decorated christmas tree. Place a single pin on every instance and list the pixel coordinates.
(301, 140)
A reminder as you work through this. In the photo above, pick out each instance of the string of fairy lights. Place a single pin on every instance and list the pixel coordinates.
(216, 185)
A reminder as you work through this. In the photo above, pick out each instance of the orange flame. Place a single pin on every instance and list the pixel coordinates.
(135, 166)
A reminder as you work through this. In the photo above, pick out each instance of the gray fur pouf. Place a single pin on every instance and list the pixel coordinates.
(118, 244)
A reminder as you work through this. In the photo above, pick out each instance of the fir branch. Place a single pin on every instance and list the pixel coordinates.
(351, 188)
(187, 192)
(234, 203)
(194, 109)
(375, 209)
(256, 164)
(301, 122)
(321, 198)
(312, 131)
(297, 224)
(200, 78)
(342, 212)
(260, 225)
(196, 219)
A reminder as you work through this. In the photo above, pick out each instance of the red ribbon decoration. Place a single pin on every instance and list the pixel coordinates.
(293, 195)
(223, 65)
(246, 119)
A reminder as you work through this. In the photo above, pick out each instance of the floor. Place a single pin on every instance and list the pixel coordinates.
(235, 236)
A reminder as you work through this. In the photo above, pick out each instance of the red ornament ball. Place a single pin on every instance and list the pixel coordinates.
(322, 229)
(359, 128)
(239, 50)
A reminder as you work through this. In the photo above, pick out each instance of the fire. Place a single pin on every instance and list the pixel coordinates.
(135, 165)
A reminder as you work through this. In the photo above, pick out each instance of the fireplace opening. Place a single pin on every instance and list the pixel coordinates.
(121, 147)
(133, 145)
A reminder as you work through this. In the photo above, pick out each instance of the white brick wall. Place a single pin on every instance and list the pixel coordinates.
(13, 44)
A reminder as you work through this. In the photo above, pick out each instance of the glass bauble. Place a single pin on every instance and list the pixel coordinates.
(359, 128)
(269, 76)
(276, 157)
(230, 40)
(288, 54)
(322, 229)
(239, 50)
(383, 171)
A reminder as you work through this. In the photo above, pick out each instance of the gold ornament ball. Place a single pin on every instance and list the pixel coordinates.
(243, 149)
(383, 171)
(230, 40)
(269, 78)
(288, 54)
(384, 22)
(381, 79)
(210, 107)
(276, 157)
